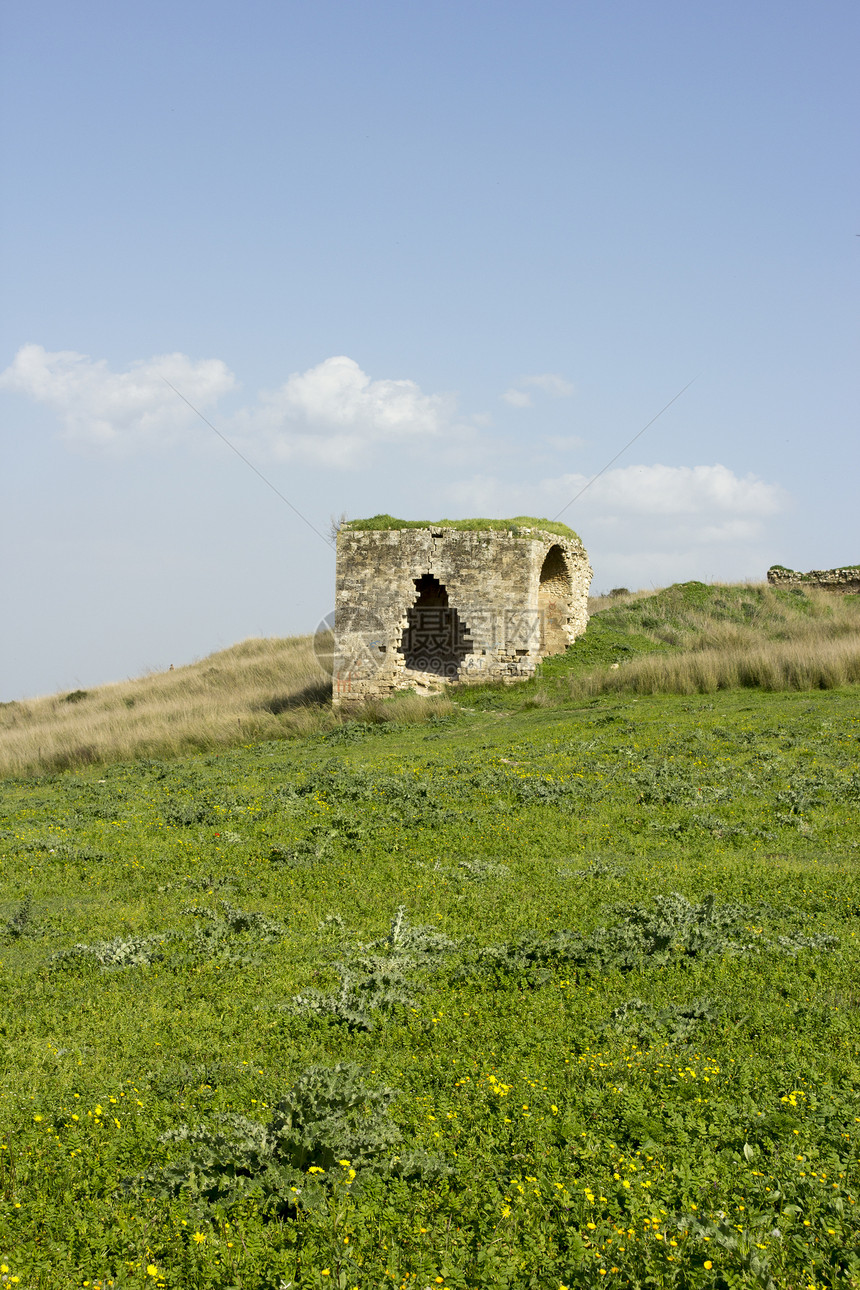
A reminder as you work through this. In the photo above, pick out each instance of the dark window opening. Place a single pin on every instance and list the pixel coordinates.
(435, 640)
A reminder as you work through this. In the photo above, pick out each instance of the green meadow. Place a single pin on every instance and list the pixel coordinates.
(558, 987)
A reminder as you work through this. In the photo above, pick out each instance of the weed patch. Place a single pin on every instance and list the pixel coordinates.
(675, 1023)
(380, 978)
(670, 929)
(111, 956)
(330, 1129)
(20, 923)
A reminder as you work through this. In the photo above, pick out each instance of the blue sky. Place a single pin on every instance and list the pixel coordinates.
(435, 260)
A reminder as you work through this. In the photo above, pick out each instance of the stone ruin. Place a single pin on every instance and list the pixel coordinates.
(846, 579)
(421, 606)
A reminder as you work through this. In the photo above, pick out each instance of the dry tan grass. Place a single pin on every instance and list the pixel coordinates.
(777, 648)
(259, 689)
(779, 665)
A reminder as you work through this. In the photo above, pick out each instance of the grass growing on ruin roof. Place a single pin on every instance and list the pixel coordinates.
(514, 526)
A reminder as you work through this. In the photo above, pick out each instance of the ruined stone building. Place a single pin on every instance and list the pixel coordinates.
(845, 579)
(420, 606)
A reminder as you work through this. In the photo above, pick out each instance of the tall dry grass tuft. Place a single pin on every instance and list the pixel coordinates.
(777, 666)
(259, 689)
(611, 600)
(748, 637)
(404, 708)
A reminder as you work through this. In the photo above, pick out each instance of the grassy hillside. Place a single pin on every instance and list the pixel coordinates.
(259, 689)
(686, 639)
(695, 638)
(256, 690)
(523, 997)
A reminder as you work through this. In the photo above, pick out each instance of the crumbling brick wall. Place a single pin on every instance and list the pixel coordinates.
(418, 608)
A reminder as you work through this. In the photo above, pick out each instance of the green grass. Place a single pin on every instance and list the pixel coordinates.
(627, 1053)
(515, 526)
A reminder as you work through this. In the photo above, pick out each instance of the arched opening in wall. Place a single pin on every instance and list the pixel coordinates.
(435, 640)
(554, 595)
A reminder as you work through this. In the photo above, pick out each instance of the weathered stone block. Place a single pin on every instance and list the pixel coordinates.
(420, 607)
(846, 578)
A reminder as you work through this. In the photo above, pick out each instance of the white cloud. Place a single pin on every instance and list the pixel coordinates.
(679, 490)
(517, 398)
(106, 409)
(334, 413)
(550, 383)
(547, 382)
(646, 524)
(699, 491)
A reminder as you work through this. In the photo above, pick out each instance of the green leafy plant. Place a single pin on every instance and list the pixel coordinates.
(677, 1023)
(110, 956)
(218, 928)
(185, 814)
(669, 929)
(380, 978)
(481, 870)
(599, 867)
(303, 854)
(20, 923)
(370, 987)
(330, 1126)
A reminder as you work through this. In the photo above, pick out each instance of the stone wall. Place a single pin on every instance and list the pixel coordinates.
(845, 579)
(419, 608)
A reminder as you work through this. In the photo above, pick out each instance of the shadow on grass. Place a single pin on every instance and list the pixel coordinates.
(317, 694)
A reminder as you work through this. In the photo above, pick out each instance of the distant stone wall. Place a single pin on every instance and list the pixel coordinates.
(844, 579)
(418, 608)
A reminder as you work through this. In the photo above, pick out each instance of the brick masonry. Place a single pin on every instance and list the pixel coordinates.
(419, 608)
